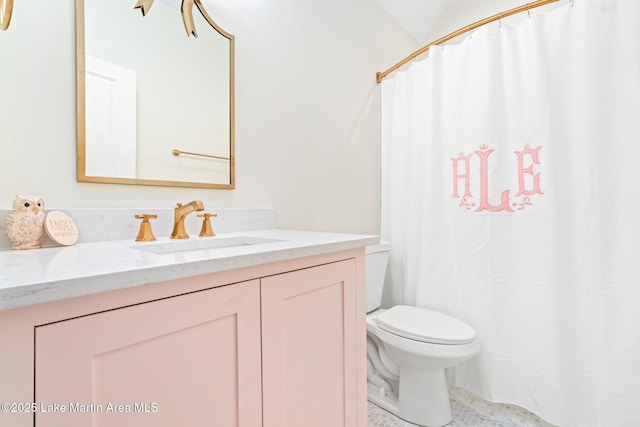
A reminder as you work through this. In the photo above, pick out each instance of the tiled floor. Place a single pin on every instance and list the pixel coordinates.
(468, 411)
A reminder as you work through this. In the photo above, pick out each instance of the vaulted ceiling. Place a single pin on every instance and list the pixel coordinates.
(416, 16)
(428, 20)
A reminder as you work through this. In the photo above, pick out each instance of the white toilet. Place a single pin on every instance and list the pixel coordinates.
(408, 349)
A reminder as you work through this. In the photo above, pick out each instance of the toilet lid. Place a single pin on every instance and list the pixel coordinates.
(425, 325)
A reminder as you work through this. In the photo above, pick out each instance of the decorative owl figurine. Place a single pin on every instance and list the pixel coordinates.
(25, 225)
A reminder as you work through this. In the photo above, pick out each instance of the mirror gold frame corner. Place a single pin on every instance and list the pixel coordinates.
(81, 128)
(6, 8)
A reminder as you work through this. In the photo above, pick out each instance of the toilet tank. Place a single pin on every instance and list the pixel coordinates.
(377, 257)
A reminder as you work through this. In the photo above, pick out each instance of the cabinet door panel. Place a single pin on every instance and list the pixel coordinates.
(309, 347)
(189, 360)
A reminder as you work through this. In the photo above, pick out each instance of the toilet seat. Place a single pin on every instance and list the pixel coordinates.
(421, 324)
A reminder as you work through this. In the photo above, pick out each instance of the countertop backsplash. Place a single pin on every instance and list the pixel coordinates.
(95, 225)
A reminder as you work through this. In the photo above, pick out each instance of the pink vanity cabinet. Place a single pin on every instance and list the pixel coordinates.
(275, 345)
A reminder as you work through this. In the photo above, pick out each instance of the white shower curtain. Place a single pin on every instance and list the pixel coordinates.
(511, 197)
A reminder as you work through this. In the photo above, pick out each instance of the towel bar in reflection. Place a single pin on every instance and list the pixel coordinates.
(178, 152)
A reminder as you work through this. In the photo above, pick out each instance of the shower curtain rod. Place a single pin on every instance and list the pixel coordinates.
(524, 8)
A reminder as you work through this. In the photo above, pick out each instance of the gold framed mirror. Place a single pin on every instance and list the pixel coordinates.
(6, 7)
(154, 107)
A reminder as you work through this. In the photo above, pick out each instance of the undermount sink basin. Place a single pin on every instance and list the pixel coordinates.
(175, 246)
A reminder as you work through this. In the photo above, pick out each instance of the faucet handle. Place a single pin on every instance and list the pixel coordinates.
(145, 234)
(207, 229)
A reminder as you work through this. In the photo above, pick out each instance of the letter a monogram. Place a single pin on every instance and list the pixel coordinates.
(457, 175)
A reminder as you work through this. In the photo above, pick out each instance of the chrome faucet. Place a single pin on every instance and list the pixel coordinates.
(180, 212)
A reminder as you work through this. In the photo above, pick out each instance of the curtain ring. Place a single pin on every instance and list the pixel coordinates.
(528, 10)
(571, 2)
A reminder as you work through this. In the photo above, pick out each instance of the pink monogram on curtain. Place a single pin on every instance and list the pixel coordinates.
(528, 180)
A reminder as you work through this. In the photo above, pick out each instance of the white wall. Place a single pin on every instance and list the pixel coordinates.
(306, 111)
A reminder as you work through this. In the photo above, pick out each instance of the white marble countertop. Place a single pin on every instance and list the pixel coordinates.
(41, 275)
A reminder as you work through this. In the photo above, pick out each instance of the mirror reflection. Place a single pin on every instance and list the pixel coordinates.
(147, 92)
